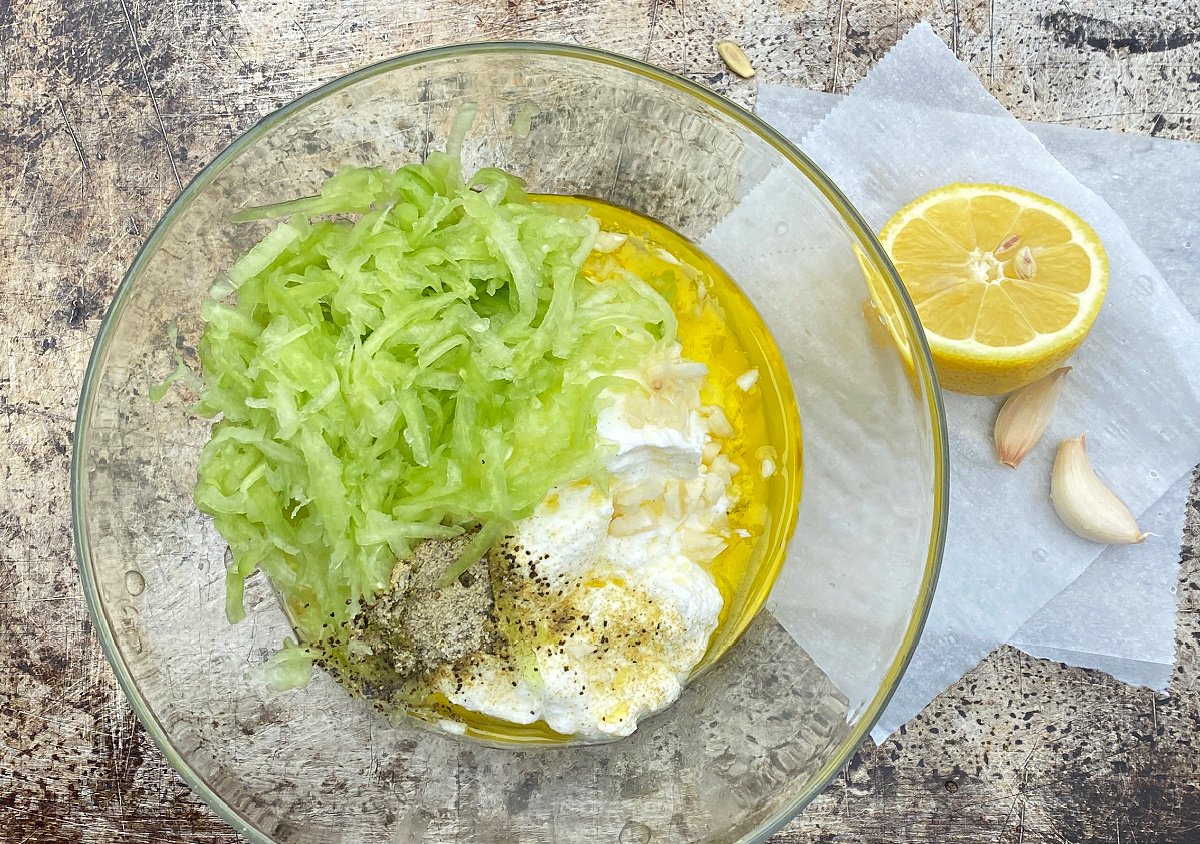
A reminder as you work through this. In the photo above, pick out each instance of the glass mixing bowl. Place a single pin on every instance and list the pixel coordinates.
(752, 739)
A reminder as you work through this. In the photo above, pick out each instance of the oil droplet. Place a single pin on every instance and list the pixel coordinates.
(1153, 473)
(135, 584)
(1040, 555)
(635, 832)
(781, 229)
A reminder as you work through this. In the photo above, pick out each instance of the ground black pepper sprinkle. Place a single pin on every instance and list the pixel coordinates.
(418, 627)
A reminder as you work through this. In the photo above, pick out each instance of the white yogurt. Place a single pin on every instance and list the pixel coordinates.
(612, 566)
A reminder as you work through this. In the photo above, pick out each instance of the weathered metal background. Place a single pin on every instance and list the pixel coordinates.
(108, 107)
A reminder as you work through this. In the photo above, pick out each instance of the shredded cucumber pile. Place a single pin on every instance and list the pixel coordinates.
(429, 361)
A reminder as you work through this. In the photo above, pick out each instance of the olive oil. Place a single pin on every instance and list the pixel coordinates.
(747, 378)
(719, 327)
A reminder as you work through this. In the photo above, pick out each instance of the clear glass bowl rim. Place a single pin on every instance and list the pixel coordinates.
(923, 369)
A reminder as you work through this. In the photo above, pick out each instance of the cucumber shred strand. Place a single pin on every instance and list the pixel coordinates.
(429, 361)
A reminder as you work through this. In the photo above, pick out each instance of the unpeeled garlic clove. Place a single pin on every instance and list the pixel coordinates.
(1024, 417)
(1084, 503)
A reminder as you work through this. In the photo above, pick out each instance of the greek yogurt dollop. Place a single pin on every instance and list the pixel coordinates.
(608, 600)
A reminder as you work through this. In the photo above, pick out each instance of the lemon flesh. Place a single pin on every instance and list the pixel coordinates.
(1007, 283)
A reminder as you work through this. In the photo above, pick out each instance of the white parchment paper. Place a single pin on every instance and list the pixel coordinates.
(1119, 615)
(919, 120)
(1088, 623)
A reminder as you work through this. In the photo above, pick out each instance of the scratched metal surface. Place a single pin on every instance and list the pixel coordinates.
(108, 108)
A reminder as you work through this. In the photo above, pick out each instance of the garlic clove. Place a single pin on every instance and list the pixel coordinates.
(609, 242)
(1024, 417)
(1084, 503)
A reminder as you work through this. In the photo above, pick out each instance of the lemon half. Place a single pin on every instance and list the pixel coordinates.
(1007, 283)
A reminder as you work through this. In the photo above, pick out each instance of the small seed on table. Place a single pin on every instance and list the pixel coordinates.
(735, 58)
